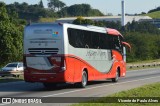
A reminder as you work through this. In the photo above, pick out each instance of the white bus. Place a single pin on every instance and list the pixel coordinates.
(58, 53)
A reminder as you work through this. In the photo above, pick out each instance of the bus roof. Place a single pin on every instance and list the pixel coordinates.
(108, 30)
(114, 32)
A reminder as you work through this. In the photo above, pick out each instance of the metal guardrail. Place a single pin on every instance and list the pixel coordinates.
(11, 73)
(141, 65)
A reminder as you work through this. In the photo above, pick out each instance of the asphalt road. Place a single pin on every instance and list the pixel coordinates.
(99, 88)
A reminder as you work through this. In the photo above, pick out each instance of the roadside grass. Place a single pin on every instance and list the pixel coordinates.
(11, 79)
(151, 90)
(155, 14)
(145, 61)
(47, 19)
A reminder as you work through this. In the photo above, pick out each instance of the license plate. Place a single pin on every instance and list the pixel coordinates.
(43, 79)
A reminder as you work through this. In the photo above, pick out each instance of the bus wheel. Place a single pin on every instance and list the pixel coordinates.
(84, 81)
(116, 78)
(50, 85)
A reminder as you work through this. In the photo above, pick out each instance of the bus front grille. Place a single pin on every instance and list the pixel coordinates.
(43, 51)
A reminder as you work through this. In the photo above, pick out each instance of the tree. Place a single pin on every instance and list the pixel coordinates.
(153, 10)
(28, 12)
(143, 27)
(143, 13)
(81, 21)
(41, 4)
(61, 5)
(10, 38)
(55, 4)
(79, 10)
(95, 12)
(3, 12)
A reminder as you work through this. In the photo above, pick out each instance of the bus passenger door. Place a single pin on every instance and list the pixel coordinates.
(124, 54)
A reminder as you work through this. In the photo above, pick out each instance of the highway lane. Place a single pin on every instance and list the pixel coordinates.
(99, 88)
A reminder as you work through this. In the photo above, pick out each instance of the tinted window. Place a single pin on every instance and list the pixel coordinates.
(104, 41)
(11, 65)
(76, 38)
(20, 65)
(94, 40)
(115, 43)
(87, 37)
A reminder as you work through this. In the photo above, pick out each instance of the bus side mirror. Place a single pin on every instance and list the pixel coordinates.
(127, 45)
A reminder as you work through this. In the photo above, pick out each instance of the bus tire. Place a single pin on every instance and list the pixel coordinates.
(49, 85)
(117, 77)
(84, 81)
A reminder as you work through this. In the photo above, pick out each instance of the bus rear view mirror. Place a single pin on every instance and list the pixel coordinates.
(127, 45)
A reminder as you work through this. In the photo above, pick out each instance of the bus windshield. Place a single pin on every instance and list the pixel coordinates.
(43, 32)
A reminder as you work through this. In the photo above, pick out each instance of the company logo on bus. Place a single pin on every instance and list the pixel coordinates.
(55, 34)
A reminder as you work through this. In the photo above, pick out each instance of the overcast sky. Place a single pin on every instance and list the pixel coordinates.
(105, 6)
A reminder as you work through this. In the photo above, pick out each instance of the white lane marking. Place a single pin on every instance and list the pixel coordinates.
(3, 104)
(98, 87)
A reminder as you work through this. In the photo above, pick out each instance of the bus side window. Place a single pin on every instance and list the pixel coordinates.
(104, 41)
(95, 40)
(76, 38)
(87, 39)
(71, 37)
(80, 38)
(115, 43)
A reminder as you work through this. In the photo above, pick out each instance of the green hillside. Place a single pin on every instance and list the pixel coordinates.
(155, 14)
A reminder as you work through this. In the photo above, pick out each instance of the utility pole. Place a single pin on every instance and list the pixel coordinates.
(123, 14)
